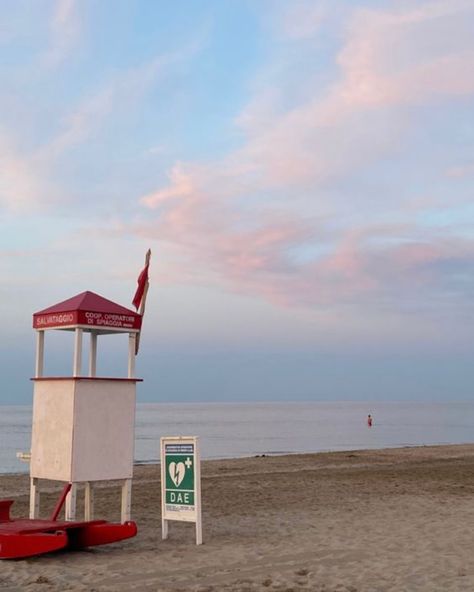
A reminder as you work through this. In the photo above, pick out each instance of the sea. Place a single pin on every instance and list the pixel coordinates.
(232, 430)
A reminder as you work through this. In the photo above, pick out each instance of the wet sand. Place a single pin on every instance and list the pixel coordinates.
(399, 520)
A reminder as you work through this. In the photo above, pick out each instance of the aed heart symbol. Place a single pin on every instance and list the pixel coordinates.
(176, 471)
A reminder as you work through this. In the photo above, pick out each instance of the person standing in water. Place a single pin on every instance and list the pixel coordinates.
(369, 421)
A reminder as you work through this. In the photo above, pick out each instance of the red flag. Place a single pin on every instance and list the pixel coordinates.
(142, 283)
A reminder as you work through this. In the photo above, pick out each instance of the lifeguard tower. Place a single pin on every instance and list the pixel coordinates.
(83, 425)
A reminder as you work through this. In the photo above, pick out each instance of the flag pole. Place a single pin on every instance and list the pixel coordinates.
(143, 301)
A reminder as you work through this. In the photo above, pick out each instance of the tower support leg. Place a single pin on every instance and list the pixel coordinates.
(89, 501)
(126, 500)
(34, 498)
(71, 504)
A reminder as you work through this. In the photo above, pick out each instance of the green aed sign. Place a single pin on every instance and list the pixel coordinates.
(179, 474)
(180, 482)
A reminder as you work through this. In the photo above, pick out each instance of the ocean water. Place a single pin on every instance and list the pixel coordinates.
(229, 430)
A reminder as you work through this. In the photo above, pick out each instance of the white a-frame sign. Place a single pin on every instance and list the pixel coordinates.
(180, 483)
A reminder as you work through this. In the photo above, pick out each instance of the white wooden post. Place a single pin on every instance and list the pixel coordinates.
(164, 522)
(89, 501)
(197, 491)
(126, 501)
(70, 512)
(93, 354)
(39, 366)
(34, 498)
(77, 352)
(131, 354)
(199, 530)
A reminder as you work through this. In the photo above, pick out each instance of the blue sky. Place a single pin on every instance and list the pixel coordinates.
(302, 172)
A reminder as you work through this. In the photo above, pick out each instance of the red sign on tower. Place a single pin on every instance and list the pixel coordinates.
(87, 310)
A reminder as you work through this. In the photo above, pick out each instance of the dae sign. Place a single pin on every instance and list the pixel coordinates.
(180, 483)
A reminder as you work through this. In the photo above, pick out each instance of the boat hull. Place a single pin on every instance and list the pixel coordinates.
(23, 537)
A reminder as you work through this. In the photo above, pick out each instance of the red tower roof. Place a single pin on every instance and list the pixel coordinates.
(89, 311)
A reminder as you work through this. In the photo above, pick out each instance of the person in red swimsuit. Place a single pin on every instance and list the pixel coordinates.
(369, 420)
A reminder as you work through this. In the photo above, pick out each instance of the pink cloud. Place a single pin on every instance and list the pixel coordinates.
(368, 263)
(388, 60)
(224, 216)
(460, 170)
(180, 186)
(21, 183)
(65, 29)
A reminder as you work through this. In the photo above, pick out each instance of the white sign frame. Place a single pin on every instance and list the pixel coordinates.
(177, 446)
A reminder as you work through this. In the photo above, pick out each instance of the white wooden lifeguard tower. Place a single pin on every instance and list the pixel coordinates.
(83, 426)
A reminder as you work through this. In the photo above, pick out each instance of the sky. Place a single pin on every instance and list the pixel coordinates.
(302, 171)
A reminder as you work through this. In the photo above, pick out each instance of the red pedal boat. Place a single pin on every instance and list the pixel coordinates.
(23, 537)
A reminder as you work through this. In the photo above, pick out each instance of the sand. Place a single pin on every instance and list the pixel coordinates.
(372, 521)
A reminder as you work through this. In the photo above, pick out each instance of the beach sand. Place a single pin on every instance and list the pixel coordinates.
(398, 520)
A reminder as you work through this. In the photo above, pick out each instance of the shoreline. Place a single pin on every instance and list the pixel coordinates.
(156, 462)
(382, 520)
